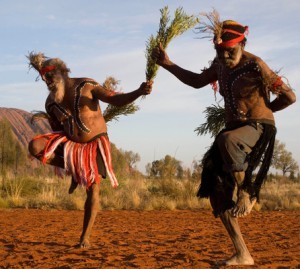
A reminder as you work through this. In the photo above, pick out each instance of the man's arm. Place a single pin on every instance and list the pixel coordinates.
(187, 77)
(121, 99)
(54, 123)
(285, 95)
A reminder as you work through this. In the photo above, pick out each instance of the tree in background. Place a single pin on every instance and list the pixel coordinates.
(168, 167)
(153, 169)
(197, 169)
(124, 162)
(283, 159)
(131, 158)
(6, 149)
(12, 155)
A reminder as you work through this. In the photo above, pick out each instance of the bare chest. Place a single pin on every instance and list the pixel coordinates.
(72, 111)
(240, 88)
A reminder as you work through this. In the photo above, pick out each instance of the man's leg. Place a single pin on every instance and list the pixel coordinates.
(242, 255)
(220, 199)
(36, 148)
(244, 203)
(73, 185)
(91, 208)
(235, 145)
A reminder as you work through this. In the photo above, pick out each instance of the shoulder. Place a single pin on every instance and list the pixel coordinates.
(249, 57)
(83, 81)
(213, 69)
(49, 100)
(85, 84)
(214, 64)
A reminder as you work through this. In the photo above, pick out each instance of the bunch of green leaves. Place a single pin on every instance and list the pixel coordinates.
(166, 32)
(215, 121)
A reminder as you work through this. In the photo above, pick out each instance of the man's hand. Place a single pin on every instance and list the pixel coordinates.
(160, 55)
(146, 87)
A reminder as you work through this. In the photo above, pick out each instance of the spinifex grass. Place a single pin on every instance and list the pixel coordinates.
(166, 32)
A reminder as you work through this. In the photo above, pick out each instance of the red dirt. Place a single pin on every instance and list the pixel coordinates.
(144, 239)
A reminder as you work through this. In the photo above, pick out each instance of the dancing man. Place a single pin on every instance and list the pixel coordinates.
(79, 142)
(246, 83)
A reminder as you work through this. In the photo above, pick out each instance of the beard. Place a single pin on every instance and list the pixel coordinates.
(58, 91)
(233, 59)
(229, 63)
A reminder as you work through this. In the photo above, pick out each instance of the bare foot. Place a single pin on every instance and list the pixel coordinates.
(243, 205)
(237, 260)
(84, 244)
(73, 186)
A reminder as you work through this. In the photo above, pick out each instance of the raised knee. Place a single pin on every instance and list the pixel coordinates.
(35, 148)
(31, 147)
(225, 140)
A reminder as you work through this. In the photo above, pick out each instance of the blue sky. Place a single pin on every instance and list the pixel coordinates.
(98, 39)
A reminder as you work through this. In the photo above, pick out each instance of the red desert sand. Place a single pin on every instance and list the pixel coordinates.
(144, 239)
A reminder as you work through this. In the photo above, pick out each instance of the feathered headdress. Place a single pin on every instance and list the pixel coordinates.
(43, 64)
(213, 28)
(224, 34)
(36, 60)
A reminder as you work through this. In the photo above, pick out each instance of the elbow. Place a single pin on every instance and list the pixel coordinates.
(293, 99)
(289, 98)
(196, 85)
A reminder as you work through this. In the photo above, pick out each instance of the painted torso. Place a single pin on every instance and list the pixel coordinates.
(79, 113)
(244, 93)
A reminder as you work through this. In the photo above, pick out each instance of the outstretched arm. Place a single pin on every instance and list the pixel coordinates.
(187, 77)
(121, 99)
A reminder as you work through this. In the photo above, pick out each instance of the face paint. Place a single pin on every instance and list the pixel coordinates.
(230, 56)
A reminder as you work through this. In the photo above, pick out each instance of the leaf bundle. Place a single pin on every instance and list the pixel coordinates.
(215, 121)
(166, 32)
(113, 112)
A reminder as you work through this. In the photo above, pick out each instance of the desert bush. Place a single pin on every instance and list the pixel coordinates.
(4, 203)
(13, 187)
(280, 194)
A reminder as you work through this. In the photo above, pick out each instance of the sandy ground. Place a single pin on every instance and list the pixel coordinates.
(146, 239)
